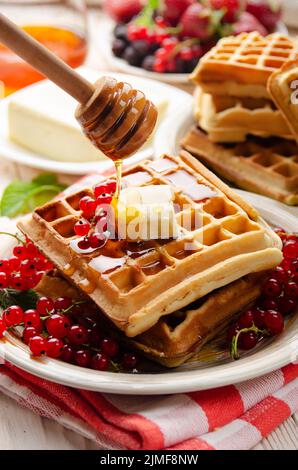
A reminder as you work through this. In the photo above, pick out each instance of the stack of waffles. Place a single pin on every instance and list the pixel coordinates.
(166, 297)
(246, 124)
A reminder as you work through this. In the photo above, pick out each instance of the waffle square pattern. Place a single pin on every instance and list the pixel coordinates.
(221, 239)
(242, 64)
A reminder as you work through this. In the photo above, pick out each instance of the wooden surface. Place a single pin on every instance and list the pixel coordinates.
(20, 428)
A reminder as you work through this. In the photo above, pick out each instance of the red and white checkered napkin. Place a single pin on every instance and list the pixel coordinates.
(232, 417)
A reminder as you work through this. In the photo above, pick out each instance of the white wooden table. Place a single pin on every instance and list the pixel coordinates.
(20, 428)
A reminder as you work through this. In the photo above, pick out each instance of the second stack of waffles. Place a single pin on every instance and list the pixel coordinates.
(241, 133)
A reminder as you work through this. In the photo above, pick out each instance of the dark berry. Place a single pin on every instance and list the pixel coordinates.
(274, 322)
(120, 31)
(148, 63)
(129, 361)
(141, 47)
(83, 358)
(109, 347)
(248, 340)
(286, 306)
(78, 334)
(272, 288)
(68, 354)
(118, 47)
(132, 56)
(291, 290)
(100, 362)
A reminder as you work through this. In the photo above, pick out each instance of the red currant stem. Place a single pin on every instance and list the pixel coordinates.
(115, 366)
(14, 235)
(68, 309)
(234, 344)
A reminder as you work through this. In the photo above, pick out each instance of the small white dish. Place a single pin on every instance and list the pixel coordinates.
(271, 355)
(177, 101)
(104, 43)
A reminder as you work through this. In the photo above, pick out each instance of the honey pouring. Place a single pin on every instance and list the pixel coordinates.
(116, 118)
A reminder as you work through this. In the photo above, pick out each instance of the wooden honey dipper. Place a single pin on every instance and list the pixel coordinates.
(116, 118)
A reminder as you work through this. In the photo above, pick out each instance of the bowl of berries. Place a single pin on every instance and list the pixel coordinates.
(165, 40)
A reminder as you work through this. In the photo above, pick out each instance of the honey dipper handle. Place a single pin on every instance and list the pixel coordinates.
(44, 61)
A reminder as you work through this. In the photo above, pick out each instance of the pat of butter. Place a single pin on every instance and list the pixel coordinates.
(41, 119)
(146, 213)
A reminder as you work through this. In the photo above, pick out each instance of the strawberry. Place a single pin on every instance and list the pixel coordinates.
(173, 9)
(268, 12)
(123, 11)
(196, 22)
(248, 23)
(232, 8)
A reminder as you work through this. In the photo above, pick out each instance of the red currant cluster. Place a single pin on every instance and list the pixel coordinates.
(52, 329)
(279, 298)
(154, 35)
(171, 51)
(25, 268)
(94, 222)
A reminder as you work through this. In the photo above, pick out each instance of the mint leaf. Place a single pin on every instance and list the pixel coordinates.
(21, 197)
(25, 299)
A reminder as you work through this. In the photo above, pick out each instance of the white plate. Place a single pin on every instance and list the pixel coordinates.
(272, 355)
(104, 42)
(178, 101)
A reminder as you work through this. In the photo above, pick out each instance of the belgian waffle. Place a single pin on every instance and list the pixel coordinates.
(136, 284)
(268, 167)
(180, 335)
(229, 119)
(241, 65)
(283, 86)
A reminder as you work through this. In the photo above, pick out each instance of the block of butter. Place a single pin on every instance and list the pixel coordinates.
(44, 123)
(146, 213)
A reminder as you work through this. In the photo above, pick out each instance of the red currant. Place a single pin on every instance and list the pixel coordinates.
(129, 361)
(97, 240)
(88, 206)
(62, 303)
(32, 281)
(274, 322)
(45, 305)
(286, 306)
(17, 282)
(161, 54)
(246, 319)
(28, 333)
(38, 345)
(3, 280)
(109, 347)
(4, 266)
(83, 358)
(291, 290)
(68, 354)
(58, 325)
(272, 288)
(54, 347)
(109, 187)
(28, 267)
(100, 362)
(14, 263)
(186, 53)
(78, 334)
(290, 249)
(20, 251)
(82, 228)
(259, 318)
(104, 199)
(248, 340)
(13, 315)
(32, 318)
(2, 328)
(270, 304)
(280, 274)
(84, 244)
(31, 250)
(159, 66)
(169, 43)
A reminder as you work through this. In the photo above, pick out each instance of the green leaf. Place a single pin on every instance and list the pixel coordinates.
(13, 200)
(25, 299)
(21, 197)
